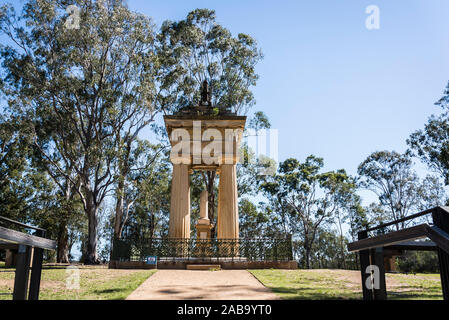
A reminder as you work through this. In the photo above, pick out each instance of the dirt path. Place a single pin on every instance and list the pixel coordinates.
(202, 285)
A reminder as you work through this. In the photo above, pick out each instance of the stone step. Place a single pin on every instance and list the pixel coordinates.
(203, 266)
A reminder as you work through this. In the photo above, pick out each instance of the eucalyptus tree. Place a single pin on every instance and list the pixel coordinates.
(259, 121)
(400, 191)
(305, 198)
(14, 152)
(431, 144)
(432, 193)
(326, 253)
(83, 77)
(356, 216)
(145, 187)
(150, 194)
(198, 48)
(391, 177)
(253, 221)
(28, 194)
(342, 190)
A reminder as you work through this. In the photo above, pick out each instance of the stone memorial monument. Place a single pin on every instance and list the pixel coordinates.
(204, 137)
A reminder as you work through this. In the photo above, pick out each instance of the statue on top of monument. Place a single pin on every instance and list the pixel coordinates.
(205, 94)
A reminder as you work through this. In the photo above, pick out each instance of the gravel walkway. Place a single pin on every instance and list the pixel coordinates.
(197, 285)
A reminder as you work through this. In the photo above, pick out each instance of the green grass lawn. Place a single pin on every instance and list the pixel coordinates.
(96, 283)
(101, 283)
(418, 286)
(345, 284)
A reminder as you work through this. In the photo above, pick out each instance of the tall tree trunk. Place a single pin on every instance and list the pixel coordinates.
(62, 255)
(120, 192)
(342, 248)
(307, 251)
(119, 208)
(342, 252)
(92, 209)
(306, 246)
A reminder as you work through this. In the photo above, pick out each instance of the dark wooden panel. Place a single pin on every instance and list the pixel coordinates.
(414, 245)
(8, 245)
(26, 239)
(373, 250)
(364, 263)
(388, 252)
(20, 224)
(411, 217)
(36, 271)
(440, 237)
(378, 260)
(22, 273)
(439, 232)
(417, 232)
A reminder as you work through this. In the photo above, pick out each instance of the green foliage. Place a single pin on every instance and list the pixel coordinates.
(84, 94)
(418, 261)
(147, 215)
(15, 191)
(431, 144)
(28, 194)
(306, 199)
(82, 91)
(197, 49)
(259, 121)
(391, 177)
(253, 223)
(357, 216)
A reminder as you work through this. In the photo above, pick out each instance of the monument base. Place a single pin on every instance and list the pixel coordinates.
(203, 231)
(224, 264)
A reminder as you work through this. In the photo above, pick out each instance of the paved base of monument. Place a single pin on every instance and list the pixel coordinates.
(224, 264)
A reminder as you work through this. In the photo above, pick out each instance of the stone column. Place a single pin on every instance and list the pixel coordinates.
(228, 212)
(204, 206)
(203, 226)
(179, 224)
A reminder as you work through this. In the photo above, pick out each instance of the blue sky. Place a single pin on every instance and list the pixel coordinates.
(329, 85)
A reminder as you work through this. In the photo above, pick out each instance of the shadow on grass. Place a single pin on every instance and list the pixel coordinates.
(72, 265)
(309, 294)
(107, 291)
(413, 296)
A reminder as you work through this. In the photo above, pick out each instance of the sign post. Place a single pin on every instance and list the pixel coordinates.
(151, 260)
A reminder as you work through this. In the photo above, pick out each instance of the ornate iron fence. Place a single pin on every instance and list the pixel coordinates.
(208, 249)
